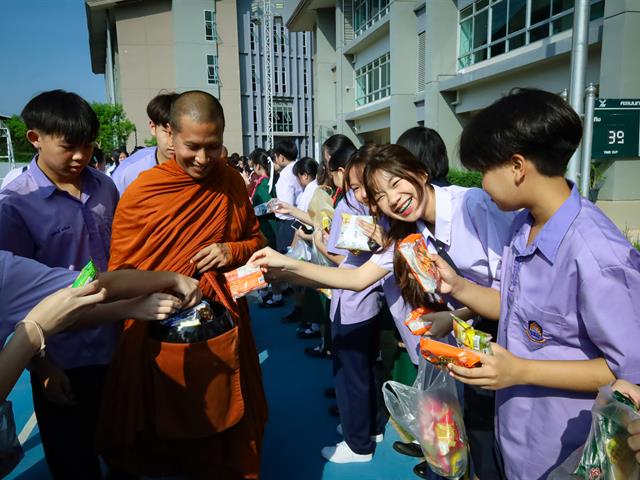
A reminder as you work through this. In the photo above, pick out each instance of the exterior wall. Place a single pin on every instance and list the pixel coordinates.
(324, 76)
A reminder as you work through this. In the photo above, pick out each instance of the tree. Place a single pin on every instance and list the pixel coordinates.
(115, 127)
(22, 149)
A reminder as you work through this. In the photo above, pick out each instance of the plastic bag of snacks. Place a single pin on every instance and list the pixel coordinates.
(415, 323)
(413, 249)
(467, 336)
(351, 236)
(244, 280)
(301, 250)
(430, 411)
(606, 454)
(265, 208)
(440, 353)
(87, 275)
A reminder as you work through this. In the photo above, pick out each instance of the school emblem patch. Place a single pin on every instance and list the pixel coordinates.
(535, 333)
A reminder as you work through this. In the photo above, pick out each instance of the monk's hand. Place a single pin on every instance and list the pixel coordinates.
(157, 306)
(188, 289)
(500, 370)
(216, 255)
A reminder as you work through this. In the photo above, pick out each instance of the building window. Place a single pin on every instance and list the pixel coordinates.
(305, 78)
(279, 36)
(255, 117)
(421, 61)
(212, 70)
(372, 81)
(254, 78)
(283, 115)
(209, 25)
(252, 36)
(276, 78)
(367, 12)
(304, 44)
(489, 28)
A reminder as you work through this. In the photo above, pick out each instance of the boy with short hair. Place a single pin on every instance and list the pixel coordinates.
(158, 112)
(59, 213)
(566, 271)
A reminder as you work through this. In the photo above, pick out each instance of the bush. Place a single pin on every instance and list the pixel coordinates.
(465, 178)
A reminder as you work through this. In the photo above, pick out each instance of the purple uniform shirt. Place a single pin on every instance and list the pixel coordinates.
(573, 294)
(132, 166)
(39, 221)
(355, 307)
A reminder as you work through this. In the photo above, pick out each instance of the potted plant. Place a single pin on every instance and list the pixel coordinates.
(596, 179)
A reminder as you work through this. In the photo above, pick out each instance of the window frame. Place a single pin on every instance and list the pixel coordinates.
(214, 33)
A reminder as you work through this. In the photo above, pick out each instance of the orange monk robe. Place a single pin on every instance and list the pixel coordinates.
(197, 408)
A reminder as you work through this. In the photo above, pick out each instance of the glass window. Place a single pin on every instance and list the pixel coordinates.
(212, 70)
(254, 79)
(372, 81)
(540, 11)
(499, 20)
(367, 12)
(283, 115)
(209, 25)
(252, 36)
(517, 15)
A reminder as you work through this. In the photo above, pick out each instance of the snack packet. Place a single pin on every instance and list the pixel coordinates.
(440, 353)
(415, 323)
(244, 280)
(467, 336)
(265, 208)
(87, 275)
(351, 237)
(413, 249)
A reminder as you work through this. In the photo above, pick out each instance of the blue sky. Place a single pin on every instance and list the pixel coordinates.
(44, 45)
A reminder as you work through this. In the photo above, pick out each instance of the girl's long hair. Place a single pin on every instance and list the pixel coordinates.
(397, 161)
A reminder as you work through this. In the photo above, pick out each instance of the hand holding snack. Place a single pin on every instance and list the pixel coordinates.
(500, 370)
(244, 280)
(633, 392)
(440, 353)
(351, 236)
(157, 306)
(282, 208)
(373, 231)
(416, 323)
(441, 323)
(469, 337)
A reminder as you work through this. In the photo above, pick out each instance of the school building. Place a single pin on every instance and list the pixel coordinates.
(146, 46)
(382, 66)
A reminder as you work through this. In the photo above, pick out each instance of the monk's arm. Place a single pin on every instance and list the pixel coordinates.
(252, 240)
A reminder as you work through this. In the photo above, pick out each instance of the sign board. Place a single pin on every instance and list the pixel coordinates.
(616, 128)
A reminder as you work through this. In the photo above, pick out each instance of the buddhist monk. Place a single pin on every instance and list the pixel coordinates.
(193, 409)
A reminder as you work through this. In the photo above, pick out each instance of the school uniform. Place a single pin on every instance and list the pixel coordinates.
(355, 329)
(39, 221)
(572, 294)
(307, 194)
(288, 189)
(134, 165)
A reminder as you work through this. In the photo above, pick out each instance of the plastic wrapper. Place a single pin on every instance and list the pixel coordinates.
(244, 280)
(265, 208)
(606, 454)
(10, 449)
(440, 353)
(467, 336)
(301, 250)
(415, 323)
(413, 249)
(351, 236)
(430, 411)
(321, 209)
(197, 324)
(87, 275)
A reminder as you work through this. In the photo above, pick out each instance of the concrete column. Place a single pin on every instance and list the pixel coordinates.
(324, 84)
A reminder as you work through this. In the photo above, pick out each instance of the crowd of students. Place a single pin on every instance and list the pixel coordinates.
(525, 258)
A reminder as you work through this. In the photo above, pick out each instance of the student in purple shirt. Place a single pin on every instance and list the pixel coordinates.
(59, 213)
(568, 301)
(158, 112)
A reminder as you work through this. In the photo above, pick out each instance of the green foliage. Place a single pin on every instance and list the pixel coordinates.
(23, 151)
(465, 178)
(598, 170)
(115, 127)
(150, 142)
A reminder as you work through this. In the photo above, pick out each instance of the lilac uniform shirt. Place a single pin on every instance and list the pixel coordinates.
(132, 166)
(355, 307)
(480, 230)
(570, 295)
(39, 221)
(288, 189)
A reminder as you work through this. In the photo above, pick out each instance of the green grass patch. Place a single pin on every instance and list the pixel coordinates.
(465, 178)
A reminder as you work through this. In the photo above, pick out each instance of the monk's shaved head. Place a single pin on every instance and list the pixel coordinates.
(201, 107)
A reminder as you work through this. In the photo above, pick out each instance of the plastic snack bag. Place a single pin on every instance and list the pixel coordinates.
(467, 336)
(430, 411)
(606, 454)
(440, 353)
(265, 208)
(10, 449)
(415, 323)
(413, 249)
(300, 251)
(87, 275)
(351, 237)
(244, 280)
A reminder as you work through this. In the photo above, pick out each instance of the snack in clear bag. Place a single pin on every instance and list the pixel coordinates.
(413, 249)
(244, 280)
(440, 353)
(467, 336)
(351, 236)
(265, 208)
(87, 275)
(415, 323)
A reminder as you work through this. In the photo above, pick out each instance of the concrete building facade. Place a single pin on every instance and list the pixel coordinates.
(447, 59)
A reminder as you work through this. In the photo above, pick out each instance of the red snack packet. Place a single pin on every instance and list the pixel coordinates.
(244, 280)
(413, 249)
(415, 323)
(442, 353)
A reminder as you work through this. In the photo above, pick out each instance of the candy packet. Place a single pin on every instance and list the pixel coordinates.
(440, 353)
(413, 249)
(351, 236)
(87, 275)
(467, 336)
(265, 208)
(244, 280)
(415, 323)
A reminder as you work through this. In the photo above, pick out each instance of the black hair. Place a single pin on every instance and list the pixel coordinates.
(306, 165)
(115, 155)
(335, 143)
(286, 148)
(159, 108)
(427, 146)
(538, 125)
(63, 114)
(97, 157)
(260, 157)
(341, 157)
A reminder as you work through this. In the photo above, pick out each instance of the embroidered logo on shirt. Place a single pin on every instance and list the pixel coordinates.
(535, 333)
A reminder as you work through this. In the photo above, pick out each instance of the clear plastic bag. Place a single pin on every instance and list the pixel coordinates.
(300, 250)
(606, 454)
(430, 411)
(351, 235)
(10, 449)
